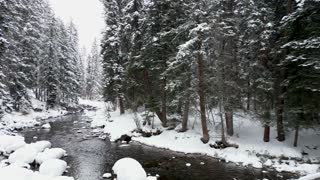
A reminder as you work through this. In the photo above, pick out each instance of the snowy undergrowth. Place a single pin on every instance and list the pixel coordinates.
(20, 155)
(248, 135)
(17, 120)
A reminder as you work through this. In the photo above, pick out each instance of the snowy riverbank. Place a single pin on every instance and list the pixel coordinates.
(15, 121)
(18, 157)
(252, 151)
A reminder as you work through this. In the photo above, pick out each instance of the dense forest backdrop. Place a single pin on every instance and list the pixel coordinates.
(40, 55)
(170, 56)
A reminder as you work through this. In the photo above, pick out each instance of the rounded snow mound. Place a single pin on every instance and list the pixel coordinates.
(54, 153)
(53, 167)
(129, 169)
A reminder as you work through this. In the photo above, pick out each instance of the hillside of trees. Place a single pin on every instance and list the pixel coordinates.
(39, 55)
(173, 56)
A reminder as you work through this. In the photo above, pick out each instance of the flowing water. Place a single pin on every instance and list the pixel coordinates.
(90, 157)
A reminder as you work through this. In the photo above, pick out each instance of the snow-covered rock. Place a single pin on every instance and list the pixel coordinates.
(8, 143)
(107, 175)
(129, 169)
(46, 126)
(53, 167)
(54, 153)
(152, 178)
(63, 178)
(18, 173)
(15, 173)
(26, 154)
(41, 145)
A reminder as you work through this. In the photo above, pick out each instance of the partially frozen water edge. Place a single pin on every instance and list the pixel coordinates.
(90, 157)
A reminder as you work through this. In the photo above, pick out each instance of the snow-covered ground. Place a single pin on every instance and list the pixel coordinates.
(248, 135)
(21, 155)
(17, 120)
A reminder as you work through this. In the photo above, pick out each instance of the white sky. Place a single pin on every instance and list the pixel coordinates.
(87, 15)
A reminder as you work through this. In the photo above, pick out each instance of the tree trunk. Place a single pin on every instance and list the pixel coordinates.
(296, 135)
(185, 116)
(164, 103)
(223, 136)
(121, 105)
(248, 96)
(266, 135)
(205, 138)
(279, 110)
(229, 122)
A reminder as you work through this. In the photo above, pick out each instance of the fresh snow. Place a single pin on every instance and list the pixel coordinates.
(311, 177)
(26, 154)
(54, 153)
(107, 175)
(22, 155)
(41, 145)
(46, 126)
(129, 169)
(248, 135)
(53, 167)
(18, 173)
(9, 143)
(17, 120)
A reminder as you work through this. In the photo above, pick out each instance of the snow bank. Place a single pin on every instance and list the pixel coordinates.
(18, 173)
(311, 177)
(54, 153)
(9, 144)
(18, 120)
(129, 169)
(53, 167)
(15, 173)
(41, 145)
(248, 135)
(26, 154)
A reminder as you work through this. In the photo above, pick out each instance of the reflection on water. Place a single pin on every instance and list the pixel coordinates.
(89, 157)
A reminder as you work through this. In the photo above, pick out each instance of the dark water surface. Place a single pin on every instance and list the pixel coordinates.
(89, 157)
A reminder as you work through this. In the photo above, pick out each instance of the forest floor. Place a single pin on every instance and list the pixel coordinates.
(252, 151)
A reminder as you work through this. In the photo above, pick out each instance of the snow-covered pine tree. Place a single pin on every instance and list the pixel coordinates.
(300, 43)
(114, 56)
(74, 74)
(52, 66)
(93, 73)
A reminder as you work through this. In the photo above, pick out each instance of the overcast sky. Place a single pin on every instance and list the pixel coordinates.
(86, 14)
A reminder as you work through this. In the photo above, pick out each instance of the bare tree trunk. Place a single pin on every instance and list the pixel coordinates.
(185, 117)
(279, 110)
(266, 135)
(223, 136)
(121, 105)
(248, 96)
(229, 122)
(296, 136)
(164, 103)
(205, 138)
